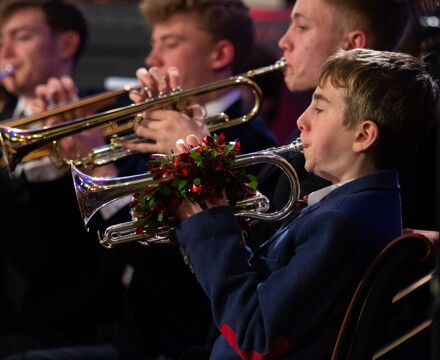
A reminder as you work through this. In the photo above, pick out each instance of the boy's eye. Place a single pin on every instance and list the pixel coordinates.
(300, 27)
(170, 44)
(317, 110)
(298, 24)
(23, 35)
(164, 45)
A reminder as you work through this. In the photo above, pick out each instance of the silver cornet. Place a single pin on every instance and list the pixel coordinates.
(94, 193)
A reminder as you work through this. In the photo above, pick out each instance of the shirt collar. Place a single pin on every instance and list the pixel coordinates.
(214, 108)
(318, 195)
(21, 109)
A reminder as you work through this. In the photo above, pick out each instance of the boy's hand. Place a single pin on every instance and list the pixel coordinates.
(187, 208)
(160, 128)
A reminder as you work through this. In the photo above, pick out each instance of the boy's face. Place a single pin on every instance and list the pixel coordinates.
(178, 42)
(327, 143)
(310, 39)
(27, 43)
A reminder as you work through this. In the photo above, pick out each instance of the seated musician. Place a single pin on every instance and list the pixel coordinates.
(289, 297)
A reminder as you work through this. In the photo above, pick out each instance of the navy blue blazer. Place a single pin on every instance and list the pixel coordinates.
(289, 297)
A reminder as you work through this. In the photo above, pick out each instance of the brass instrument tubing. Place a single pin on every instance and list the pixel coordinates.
(20, 142)
(89, 100)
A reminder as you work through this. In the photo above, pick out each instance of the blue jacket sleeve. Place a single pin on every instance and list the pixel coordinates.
(264, 314)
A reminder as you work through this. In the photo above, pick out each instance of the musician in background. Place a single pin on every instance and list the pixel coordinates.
(164, 310)
(193, 44)
(50, 263)
(288, 298)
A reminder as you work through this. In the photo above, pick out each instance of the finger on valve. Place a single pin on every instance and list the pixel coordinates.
(174, 80)
(161, 81)
(146, 87)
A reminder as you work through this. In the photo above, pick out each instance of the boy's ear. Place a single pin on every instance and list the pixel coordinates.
(366, 136)
(355, 39)
(69, 43)
(222, 55)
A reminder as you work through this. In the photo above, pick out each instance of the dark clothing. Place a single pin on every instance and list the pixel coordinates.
(419, 183)
(164, 310)
(262, 303)
(105, 352)
(254, 135)
(273, 183)
(52, 264)
(52, 268)
(168, 310)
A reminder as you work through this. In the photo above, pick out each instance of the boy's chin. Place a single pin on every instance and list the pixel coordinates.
(308, 167)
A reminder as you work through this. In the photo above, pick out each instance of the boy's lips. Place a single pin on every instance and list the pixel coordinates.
(8, 70)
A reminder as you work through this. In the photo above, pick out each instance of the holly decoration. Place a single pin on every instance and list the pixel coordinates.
(198, 176)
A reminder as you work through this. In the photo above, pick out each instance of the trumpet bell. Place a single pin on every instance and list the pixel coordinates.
(93, 193)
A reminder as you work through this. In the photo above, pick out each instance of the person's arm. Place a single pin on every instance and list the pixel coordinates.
(273, 306)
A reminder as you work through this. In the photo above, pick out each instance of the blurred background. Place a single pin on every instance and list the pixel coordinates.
(119, 39)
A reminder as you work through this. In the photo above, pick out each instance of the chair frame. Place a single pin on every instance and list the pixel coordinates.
(404, 261)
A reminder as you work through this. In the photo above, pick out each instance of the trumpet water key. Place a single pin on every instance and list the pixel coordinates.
(95, 193)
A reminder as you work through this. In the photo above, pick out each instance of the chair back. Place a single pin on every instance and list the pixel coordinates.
(401, 267)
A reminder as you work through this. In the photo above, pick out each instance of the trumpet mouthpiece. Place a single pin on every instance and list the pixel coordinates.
(295, 146)
(7, 71)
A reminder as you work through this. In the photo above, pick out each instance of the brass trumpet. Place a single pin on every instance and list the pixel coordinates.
(15, 141)
(18, 144)
(94, 193)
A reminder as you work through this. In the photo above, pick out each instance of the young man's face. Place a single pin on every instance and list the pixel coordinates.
(28, 44)
(310, 39)
(327, 143)
(178, 42)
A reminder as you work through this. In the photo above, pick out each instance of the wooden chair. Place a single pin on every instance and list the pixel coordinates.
(400, 269)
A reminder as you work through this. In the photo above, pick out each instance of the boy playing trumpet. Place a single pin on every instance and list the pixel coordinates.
(288, 298)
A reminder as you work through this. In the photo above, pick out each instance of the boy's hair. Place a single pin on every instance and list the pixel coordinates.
(221, 19)
(385, 22)
(392, 89)
(61, 16)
